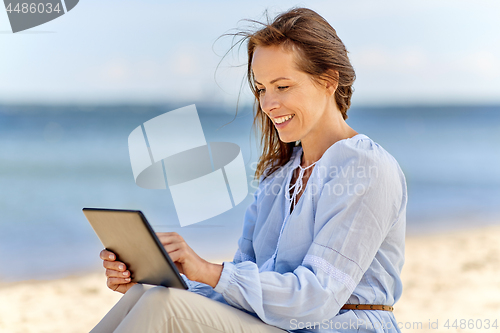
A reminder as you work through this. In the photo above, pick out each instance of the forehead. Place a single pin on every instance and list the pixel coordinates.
(270, 62)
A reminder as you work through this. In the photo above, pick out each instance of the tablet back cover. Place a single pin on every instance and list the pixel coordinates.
(128, 234)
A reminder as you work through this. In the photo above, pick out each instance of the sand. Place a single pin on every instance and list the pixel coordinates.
(447, 276)
(451, 276)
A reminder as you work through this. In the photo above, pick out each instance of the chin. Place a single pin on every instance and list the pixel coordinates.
(287, 138)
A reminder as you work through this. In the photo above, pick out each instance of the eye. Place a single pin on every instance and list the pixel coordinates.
(260, 91)
(282, 87)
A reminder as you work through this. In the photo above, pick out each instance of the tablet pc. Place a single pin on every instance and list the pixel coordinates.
(129, 235)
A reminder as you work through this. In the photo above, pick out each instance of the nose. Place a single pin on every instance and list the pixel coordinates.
(269, 102)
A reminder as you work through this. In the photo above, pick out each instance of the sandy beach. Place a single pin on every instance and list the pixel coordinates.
(451, 276)
(447, 276)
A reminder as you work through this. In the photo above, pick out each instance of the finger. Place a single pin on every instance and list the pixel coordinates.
(116, 281)
(179, 267)
(114, 265)
(117, 274)
(170, 237)
(176, 256)
(172, 233)
(173, 247)
(107, 255)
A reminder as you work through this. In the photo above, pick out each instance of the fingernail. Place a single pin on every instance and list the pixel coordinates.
(125, 273)
(111, 256)
(127, 279)
(121, 267)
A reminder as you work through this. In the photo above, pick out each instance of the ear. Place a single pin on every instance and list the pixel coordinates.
(331, 79)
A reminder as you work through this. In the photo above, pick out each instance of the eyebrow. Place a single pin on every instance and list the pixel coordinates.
(277, 79)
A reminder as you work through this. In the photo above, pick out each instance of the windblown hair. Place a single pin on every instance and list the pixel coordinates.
(318, 51)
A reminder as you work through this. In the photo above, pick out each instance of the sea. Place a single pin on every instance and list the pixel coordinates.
(56, 160)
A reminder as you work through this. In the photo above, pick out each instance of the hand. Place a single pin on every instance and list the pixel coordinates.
(187, 261)
(116, 272)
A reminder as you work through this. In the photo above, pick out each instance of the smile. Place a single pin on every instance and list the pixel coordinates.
(281, 120)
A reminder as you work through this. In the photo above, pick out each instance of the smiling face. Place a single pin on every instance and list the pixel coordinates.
(298, 106)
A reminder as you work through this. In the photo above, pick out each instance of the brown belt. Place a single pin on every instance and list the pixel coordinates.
(367, 307)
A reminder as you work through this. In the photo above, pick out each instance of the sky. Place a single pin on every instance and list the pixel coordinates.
(147, 52)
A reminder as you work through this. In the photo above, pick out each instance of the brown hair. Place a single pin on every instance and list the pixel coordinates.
(319, 53)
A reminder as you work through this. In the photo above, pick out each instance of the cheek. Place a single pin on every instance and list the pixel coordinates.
(262, 109)
(295, 102)
(307, 120)
(313, 107)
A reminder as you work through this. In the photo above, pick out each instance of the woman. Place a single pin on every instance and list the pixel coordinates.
(325, 232)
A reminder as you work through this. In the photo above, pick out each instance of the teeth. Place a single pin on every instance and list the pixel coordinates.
(283, 119)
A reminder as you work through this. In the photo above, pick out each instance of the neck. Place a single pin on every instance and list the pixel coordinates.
(318, 141)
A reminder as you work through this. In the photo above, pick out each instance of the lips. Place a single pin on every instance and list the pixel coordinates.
(284, 121)
(280, 120)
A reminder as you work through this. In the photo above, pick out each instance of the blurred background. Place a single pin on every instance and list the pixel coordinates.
(72, 90)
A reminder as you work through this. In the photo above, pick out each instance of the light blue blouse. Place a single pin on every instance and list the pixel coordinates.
(342, 243)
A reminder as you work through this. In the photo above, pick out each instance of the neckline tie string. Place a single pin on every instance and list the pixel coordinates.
(297, 187)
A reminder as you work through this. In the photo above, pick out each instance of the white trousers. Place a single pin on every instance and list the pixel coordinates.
(150, 309)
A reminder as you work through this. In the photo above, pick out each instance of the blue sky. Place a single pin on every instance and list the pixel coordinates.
(404, 52)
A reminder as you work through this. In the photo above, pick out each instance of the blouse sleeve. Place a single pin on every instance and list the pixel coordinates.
(349, 229)
(245, 250)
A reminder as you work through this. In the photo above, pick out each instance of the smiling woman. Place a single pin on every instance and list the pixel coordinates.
(298, 106)
(323, 241)
(310, 48)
